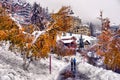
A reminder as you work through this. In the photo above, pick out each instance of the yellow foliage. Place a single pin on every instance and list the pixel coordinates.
(105, 36)
(28, 29)
(3, 35)
(110, 48)
(62, 21)
(5, 22)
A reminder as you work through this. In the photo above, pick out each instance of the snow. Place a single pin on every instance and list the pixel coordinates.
(11, 68)
(17, 22)
(96, 73)
(36, 34)
(67, 41)
(19, 18)
(77, 36)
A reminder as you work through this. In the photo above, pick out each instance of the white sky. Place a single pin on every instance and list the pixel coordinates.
(86, 9)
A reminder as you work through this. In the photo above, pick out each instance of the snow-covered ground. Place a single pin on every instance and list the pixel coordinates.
(95, 73)
(11, 68)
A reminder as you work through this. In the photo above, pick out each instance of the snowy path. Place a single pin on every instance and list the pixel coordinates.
(78, 75)
(86, 71)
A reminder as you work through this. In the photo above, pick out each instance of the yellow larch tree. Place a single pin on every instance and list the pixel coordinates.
(109, 47)
(112, 55)
(23, 38)
(61, 22)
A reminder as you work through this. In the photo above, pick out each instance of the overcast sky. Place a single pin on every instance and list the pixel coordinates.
(86, 9)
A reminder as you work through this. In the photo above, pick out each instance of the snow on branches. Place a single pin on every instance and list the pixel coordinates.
(109, 47)
(22, 38)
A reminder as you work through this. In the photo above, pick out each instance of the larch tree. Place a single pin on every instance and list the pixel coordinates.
(104, 37)
(61, 22)
(112, 55)
(22, 39)
(109, 47)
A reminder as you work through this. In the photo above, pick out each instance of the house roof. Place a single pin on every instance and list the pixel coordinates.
(77, 36)
(67, 41)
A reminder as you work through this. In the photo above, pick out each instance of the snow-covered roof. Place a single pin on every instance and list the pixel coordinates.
(84, 25)
(67, 41)
(66, 37)
(77, 36)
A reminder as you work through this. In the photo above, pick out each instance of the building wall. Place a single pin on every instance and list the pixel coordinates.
(77, 22)
(78, 28)
(82, 30)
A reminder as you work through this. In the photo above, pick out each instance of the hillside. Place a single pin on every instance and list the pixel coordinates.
(11, 68)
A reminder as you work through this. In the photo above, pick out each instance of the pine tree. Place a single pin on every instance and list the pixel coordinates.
(91, 29)
(37, 18)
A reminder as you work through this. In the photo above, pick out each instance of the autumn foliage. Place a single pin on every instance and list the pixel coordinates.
(28, 44)
(112, 55)
(61, 22)
(109, 47)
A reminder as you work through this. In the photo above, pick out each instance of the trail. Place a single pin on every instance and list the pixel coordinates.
(85, 71)
(66, 74)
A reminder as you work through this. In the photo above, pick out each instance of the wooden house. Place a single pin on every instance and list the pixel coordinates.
(67, 46)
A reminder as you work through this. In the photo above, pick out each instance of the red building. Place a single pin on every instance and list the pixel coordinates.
(69, 42)
(67, 46)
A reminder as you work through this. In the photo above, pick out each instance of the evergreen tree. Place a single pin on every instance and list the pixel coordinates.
(81, 43)
(91, 29)
(37, 18)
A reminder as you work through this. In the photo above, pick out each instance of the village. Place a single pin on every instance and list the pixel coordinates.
(56, 41)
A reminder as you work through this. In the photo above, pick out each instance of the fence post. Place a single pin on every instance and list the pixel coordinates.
(50, 65)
